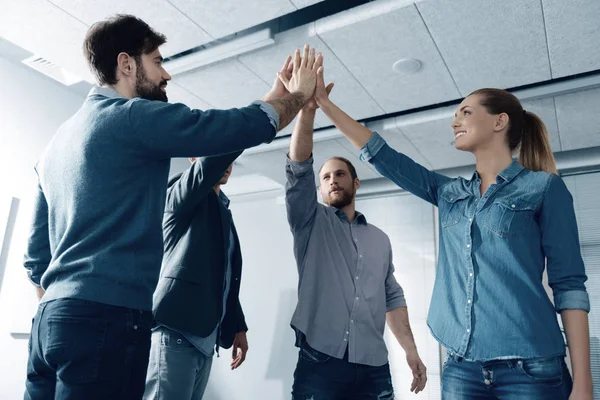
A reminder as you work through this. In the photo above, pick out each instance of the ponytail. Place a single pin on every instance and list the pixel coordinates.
(534, 151)
(526, 131)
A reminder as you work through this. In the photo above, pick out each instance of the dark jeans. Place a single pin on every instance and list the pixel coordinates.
(321, 377)
(528, 379)
(86, 350)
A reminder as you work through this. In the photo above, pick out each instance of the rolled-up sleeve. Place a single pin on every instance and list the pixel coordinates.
(271, 113)
(394, 294)
(560, 241)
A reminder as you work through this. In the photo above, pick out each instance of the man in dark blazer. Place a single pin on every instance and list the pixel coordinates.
(196, 303)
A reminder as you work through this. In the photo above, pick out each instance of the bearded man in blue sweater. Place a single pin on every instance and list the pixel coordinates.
(96, 243)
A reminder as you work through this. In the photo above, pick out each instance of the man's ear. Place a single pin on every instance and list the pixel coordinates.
(126, 64)
(356, 184)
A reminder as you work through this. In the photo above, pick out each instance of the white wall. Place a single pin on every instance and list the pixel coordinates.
(31, 109)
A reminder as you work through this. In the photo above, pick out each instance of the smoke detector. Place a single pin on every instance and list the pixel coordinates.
(407, 66)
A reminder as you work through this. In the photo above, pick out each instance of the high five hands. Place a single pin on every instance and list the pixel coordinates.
(303, 75)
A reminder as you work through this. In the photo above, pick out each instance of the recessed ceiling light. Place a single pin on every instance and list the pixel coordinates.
(407, 66)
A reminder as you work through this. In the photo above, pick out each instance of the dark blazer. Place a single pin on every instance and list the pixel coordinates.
(196, 223)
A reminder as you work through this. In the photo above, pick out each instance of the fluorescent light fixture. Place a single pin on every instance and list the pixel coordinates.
(220, 52)
(52, 70)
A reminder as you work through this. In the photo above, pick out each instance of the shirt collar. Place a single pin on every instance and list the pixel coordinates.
(359, 217)
(508, 174)
(224, 198)
(105, 91)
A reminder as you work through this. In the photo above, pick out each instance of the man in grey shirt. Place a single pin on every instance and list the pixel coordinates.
(346, 288)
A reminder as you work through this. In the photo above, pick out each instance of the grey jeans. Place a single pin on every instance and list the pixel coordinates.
(177, 370)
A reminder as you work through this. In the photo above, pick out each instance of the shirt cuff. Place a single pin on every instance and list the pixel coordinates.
(399, 302)
(370, 150)
(572, 300)
(299, 167)
(271, 113)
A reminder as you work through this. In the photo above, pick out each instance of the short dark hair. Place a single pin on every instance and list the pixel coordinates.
(119, 34)
(345, 161)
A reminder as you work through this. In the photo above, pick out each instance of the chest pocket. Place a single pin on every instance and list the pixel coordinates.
(452, 207)
(510, 218)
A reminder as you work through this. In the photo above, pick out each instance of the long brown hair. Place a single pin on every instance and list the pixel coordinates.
(526, 131)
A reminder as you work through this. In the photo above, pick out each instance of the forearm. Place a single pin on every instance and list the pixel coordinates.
(578, 338)
(287, 107)
(301, 145)
(398, 322)
(354, 131)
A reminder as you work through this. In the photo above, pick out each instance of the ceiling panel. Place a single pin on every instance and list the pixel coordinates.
(488, 43)
(399, 33)
(227, 84)
(573, 30)
(348, 93)
(544, 108)
(435, 141)
(221, 18)
(45, 30)
(178, 94)
(269, 163)
(304, 3)
(578, 124)
(182, 33)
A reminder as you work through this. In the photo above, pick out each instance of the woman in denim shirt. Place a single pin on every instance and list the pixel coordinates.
(498, 231)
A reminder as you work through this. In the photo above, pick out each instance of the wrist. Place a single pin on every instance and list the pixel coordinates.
(325, 104)
(309, 110)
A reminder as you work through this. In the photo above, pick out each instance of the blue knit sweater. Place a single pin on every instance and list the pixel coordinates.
(97, 227)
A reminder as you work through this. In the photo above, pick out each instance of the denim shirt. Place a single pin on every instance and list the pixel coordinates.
(488, 299)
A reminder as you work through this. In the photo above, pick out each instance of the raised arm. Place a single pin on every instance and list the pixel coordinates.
(395, 166)
(566, 277)
(173, 130)
(38, 254)
(196, 182)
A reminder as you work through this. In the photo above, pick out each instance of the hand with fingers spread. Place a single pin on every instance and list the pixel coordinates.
(304, 73)
(278, 89)
(321, 91)
(419, 372)
(240, 349)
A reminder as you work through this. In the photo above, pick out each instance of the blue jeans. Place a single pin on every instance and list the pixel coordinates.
(321, 377)
(177, 369)
(85, 350)
(537, 378)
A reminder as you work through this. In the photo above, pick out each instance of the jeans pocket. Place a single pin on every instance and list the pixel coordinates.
(312, 356)
(74, 345)
(547, 370)
(174, 340)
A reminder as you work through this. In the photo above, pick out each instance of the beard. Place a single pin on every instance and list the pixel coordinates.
(339, 202)
(146, 89)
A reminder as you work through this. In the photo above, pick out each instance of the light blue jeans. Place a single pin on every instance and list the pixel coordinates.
(177, 370)
(528, 379)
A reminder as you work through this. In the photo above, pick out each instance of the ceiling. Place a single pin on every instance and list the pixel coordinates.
(462, 45)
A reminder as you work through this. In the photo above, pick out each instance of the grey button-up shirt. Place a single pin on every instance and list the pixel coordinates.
(346, 276)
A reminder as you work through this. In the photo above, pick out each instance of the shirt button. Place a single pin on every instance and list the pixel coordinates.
(352, 321)
(356, 297)
(468, 301)
(468, 245)
(513, 206)
(135, 327)
(470, 219)
(520, 362)
(468, 330)
(347, 332)
(360, 256)
(179, 341)
(345, 340)
(470, 274)
(357, 277)
(355, 239)
(487, 382)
